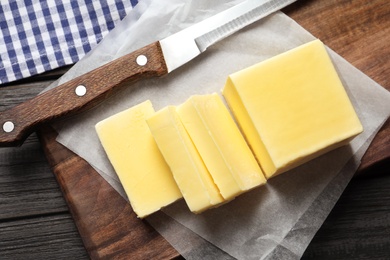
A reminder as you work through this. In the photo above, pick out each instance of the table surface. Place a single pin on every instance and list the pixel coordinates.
(35, 222)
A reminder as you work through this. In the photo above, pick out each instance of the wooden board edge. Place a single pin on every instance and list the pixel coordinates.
(105, 221)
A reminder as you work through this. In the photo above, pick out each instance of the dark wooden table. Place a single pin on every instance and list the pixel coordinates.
(35, 221)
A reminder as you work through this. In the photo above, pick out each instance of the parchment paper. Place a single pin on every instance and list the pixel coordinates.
(274, 221)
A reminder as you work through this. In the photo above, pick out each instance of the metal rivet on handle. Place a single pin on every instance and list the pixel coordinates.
(81, 90)
(8, 126)
(142, 60)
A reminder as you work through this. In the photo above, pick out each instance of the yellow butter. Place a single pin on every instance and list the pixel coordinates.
(188, 169)
(132, 151)
(292, 107)
(220, 145)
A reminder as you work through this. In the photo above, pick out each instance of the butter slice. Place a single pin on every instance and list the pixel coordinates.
(292, 108)
(132, 151)
(221, 145)
(188, 169)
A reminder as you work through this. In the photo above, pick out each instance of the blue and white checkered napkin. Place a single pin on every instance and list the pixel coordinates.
(40, 35)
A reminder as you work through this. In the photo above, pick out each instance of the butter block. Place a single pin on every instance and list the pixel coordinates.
(292, 108)
(132, 151)
(188, 169)
(221, 145)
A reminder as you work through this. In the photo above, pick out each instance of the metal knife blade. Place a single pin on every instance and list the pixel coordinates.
(156, 59)
(185, 45)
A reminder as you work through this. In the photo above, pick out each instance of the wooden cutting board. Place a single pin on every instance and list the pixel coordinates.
(357, 30)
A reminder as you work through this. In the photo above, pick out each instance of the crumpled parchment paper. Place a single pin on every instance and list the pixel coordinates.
(275, 221)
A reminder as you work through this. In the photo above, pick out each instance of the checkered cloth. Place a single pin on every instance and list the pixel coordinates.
(40, 35)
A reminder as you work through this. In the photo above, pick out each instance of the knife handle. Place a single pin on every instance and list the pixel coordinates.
(80, 93)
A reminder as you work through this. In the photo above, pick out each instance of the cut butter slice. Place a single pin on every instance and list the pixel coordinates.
(292, 108)
(132, 151)
(221, 145)
(191, 175)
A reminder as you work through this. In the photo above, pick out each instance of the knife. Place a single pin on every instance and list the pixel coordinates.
(156, 59)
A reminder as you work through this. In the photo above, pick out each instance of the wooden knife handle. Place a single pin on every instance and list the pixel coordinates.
(84, 91)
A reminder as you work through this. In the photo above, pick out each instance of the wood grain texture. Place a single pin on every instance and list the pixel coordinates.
(63, 101)
(108, 226)
(34, 219)
(26, 189)
(358, 31)
(357, 228)
(48, 237)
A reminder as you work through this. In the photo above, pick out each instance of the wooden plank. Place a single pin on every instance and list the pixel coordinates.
(358, 226)
(49, 237)
(46, 76)
(27, 187)
(34, 219)
(13, 95)
(357, 30)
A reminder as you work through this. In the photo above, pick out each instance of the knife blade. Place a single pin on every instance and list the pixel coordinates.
(156, 59)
